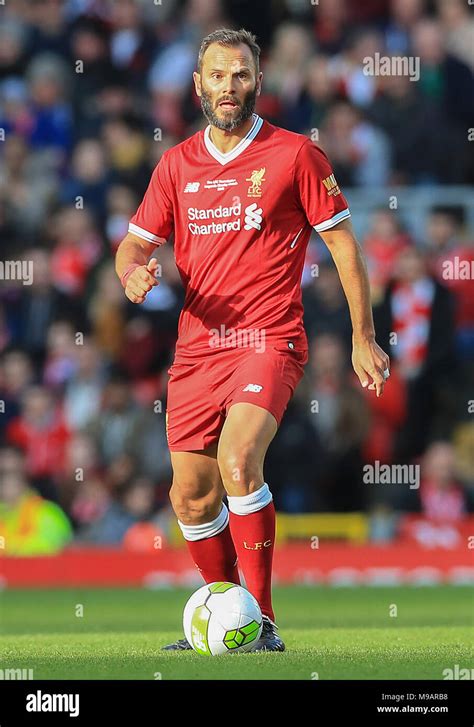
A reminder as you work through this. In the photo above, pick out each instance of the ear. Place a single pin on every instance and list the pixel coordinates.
(259, 83)
(197, 82)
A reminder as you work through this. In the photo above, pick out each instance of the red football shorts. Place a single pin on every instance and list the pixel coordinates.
(201, 392)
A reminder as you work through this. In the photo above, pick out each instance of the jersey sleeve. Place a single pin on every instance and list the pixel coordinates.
(153, 221)
(317, 189)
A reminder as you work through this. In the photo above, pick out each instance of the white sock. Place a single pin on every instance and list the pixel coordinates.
(246, 504)
(206, 530)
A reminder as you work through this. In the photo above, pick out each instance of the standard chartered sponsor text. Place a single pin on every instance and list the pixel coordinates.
(194, 213)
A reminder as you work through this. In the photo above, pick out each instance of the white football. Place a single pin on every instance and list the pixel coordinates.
(222, 618)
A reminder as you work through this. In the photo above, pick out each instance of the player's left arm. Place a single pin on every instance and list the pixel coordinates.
(368, 359)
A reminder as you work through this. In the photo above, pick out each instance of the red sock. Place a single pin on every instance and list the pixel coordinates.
(215, 557)
(254, 538)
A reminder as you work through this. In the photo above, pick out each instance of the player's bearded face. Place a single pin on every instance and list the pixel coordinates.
(227, 118)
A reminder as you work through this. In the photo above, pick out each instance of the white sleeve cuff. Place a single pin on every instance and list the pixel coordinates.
(327, 224)
(145, 235)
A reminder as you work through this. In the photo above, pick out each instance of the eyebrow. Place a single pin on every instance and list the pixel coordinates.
(221, 70)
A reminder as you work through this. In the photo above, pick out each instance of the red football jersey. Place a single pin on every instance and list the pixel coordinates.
(241, 221)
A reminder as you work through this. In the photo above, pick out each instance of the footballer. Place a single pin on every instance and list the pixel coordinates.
(242, 197)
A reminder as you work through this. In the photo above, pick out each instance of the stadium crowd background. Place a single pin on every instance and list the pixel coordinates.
(83, 372)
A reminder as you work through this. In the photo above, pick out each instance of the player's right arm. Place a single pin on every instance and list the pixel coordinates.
(134, 267)
(149, 228)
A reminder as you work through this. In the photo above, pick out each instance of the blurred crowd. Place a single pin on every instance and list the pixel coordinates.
(92, 92)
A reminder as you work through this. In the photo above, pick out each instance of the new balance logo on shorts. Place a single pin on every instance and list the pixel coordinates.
(255, 388)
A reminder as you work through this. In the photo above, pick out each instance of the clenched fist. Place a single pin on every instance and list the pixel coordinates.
(141, 280)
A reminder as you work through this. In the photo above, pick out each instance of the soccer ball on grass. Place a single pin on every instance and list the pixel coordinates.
(222, 618)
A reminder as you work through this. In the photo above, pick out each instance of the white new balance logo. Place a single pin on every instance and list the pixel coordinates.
(254, 388)
(253, 217)
(192, 187)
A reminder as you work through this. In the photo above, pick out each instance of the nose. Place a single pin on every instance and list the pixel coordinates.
(229, 86)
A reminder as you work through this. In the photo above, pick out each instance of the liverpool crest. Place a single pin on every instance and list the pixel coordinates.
(256, 179)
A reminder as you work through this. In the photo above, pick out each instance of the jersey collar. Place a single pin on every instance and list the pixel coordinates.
(237, 150)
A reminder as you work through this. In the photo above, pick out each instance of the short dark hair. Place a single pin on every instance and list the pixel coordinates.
(230, 38)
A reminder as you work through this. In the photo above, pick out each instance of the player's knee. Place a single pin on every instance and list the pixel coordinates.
(240, 469)
(194, 510)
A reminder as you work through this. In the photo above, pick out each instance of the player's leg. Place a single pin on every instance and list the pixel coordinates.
(196, 497)
(193, 424)
(244, 440)
(259, 391)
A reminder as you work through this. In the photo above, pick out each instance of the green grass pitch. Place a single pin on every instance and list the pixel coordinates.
(330, 633)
